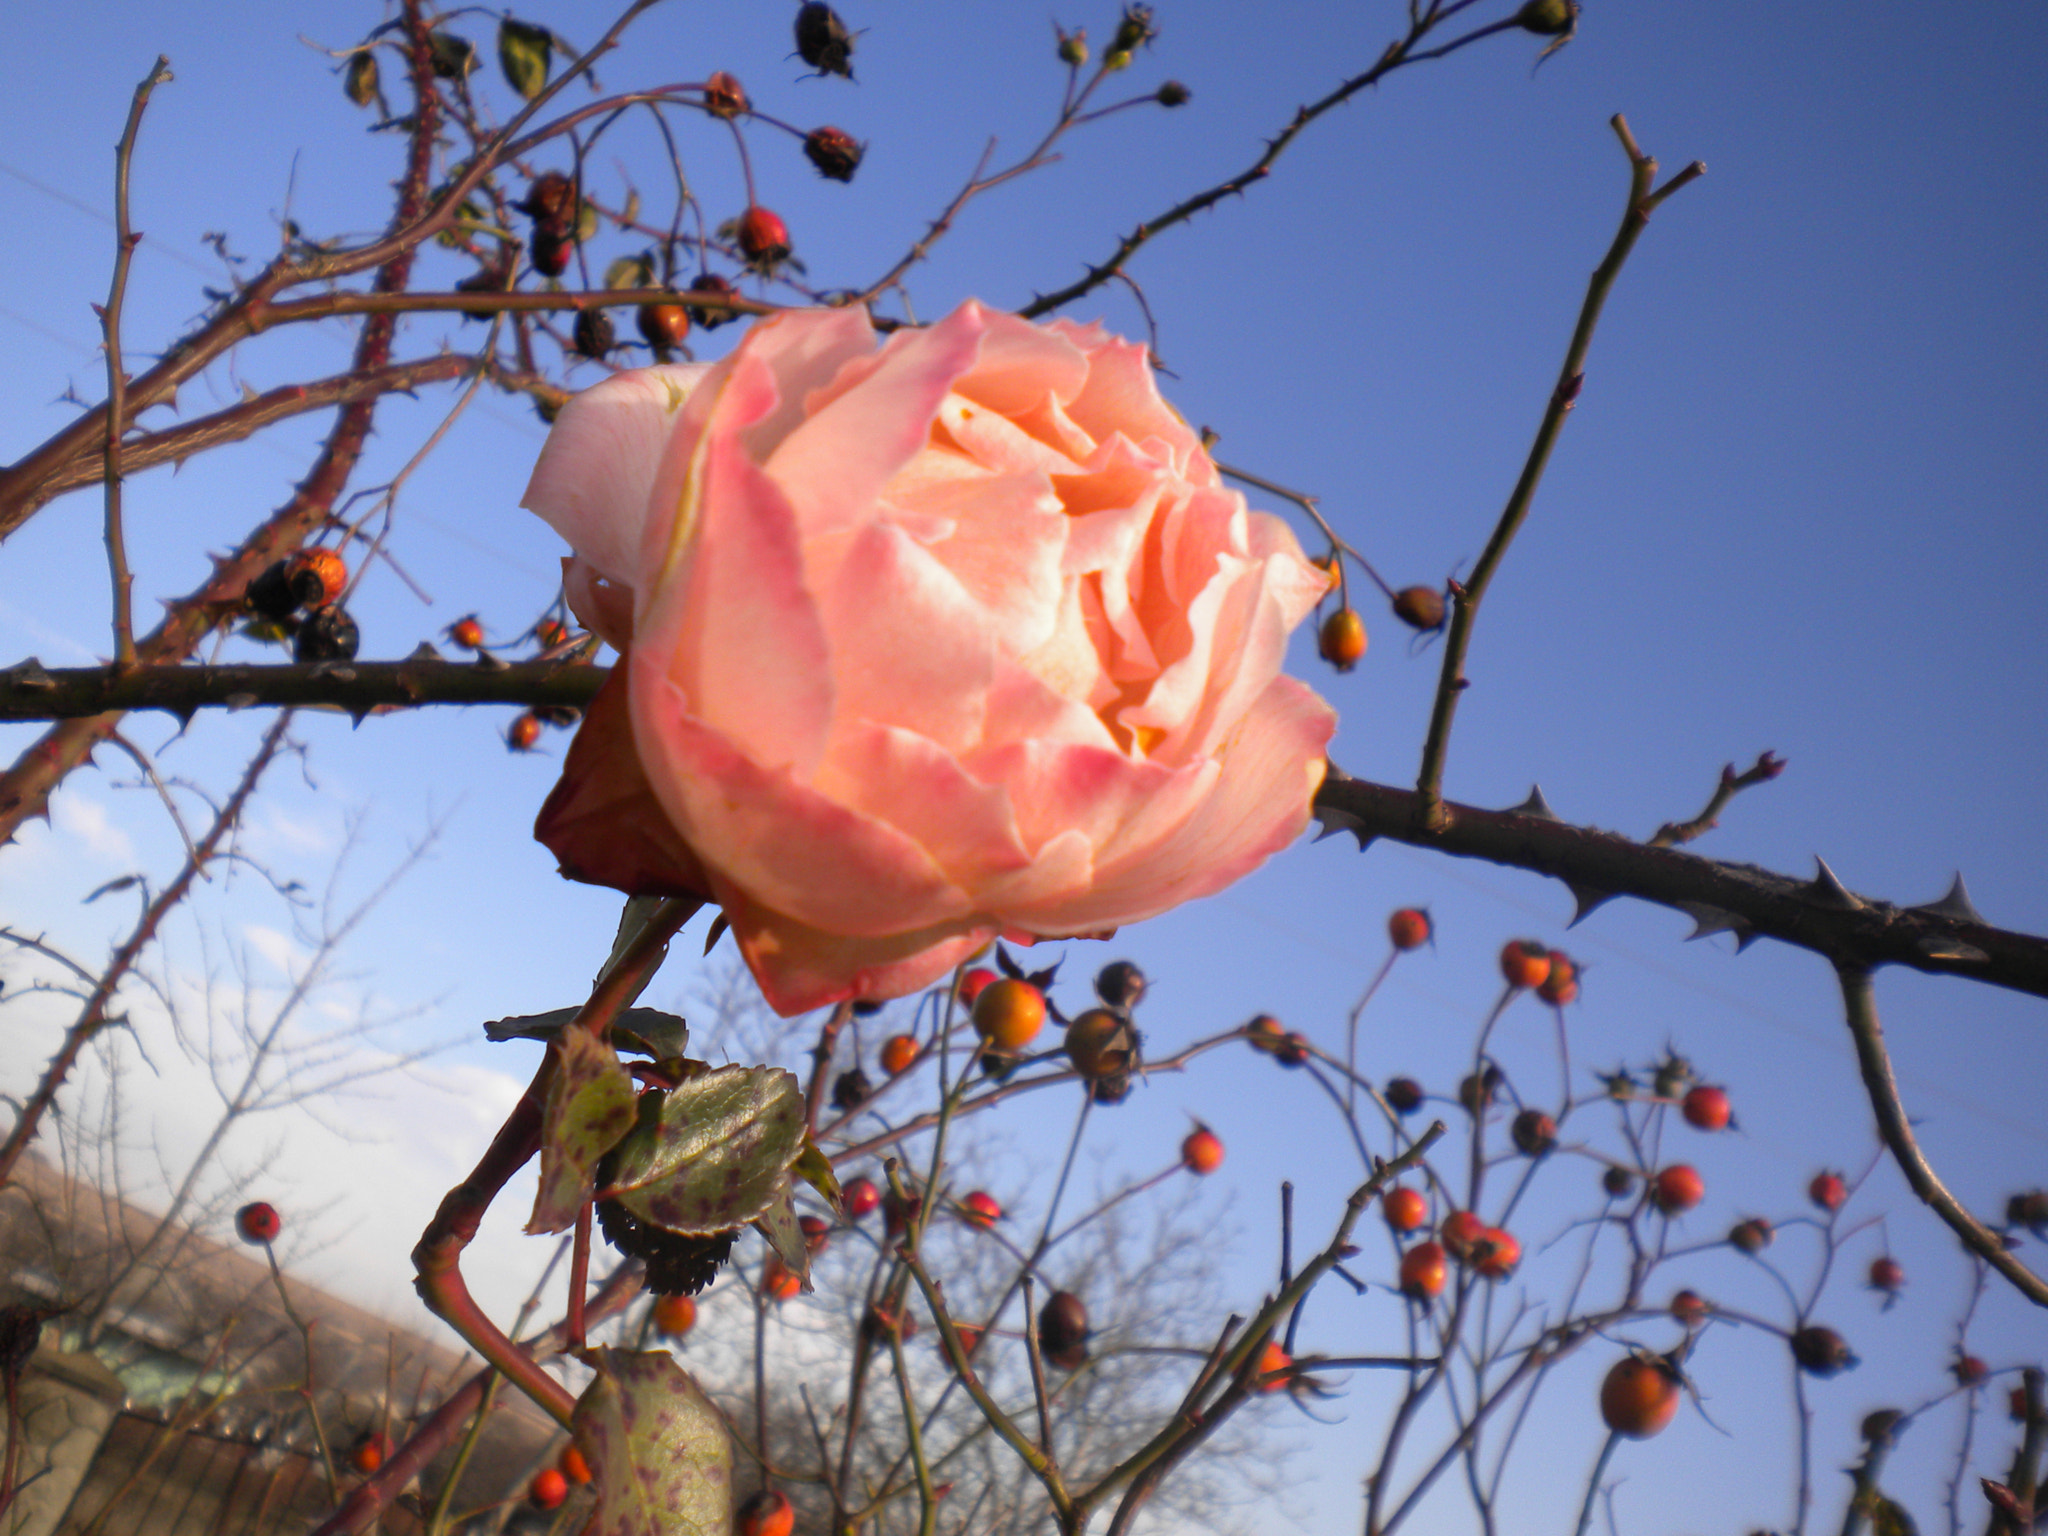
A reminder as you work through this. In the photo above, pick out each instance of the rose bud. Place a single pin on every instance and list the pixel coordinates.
(833, 152)
(857, 606)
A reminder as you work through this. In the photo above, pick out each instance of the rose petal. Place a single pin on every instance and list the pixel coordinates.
(800, 968)
(906, 781)
(1268, 775)
(605, 607)
(595, 479)
(790, 847)
(833, 467)
(603, 820)
(893, 602)
(733, 624)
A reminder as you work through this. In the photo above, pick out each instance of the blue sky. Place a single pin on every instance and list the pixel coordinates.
(1799, 507)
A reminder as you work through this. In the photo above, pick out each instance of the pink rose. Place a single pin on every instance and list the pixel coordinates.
(959, 637)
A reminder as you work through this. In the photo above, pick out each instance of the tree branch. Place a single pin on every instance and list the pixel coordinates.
(1875, 1062)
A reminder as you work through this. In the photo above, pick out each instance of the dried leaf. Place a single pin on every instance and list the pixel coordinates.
(659, 1453)
(647, 1030)
(778, 1225)
(714, 1156)
(815, 1169)
(590, 1107)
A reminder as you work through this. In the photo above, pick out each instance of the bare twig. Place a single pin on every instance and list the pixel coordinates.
(1673, 833)
(125, 241)
(1466, 597)
(93, 1017)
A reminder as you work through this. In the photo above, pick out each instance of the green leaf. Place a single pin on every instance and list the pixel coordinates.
(590, 1107)
(360, 80)
(523, 53)
(715, 1155)
(778, 1224)
(630, 272)
(647, 1030)
(660, 1456)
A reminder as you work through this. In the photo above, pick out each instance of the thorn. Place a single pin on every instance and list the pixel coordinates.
(1829, 891)
(1586, 900)
(29, 676)
(239, 701)
(1743, 939)
(1535, 806)
(1709, 920)
(718, 927)
(357, 717)
(1955, 904)
(486, 662)
(1937, 947)
(425, 651)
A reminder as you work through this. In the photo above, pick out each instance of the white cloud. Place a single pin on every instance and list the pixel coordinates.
(84, 819)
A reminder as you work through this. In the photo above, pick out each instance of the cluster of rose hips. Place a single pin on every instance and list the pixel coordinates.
(300, 597)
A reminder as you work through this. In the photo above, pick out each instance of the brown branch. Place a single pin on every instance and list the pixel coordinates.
(1397, 54)
(358, 687)
(1673, 833)
(1465, 598)
(25, 787)
(92, 1018)
(1942, 939)
(1860, 1007)
(241, 421)
(125, 241)
(360, 1510)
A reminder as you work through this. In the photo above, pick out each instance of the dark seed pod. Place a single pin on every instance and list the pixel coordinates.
(1063, 1330)
(1120, 984)
(1133, 28)
(1617, 1182)
(1172, 94)
(270, 595)
(1821, 1351)
(1420, 608)
(851, 1089)
(594, 334)
(1403, 1095)
(1547, 18)
(822, 40)
(676, 1265)
(1751, 1236)
(1534, 1133)
(550, 252)
(560, 716)
(866, 1008)
(718, 288)
(550, 200)
(834, 152)
(1101, 1043)
(1113, 1089)
(327, 634)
